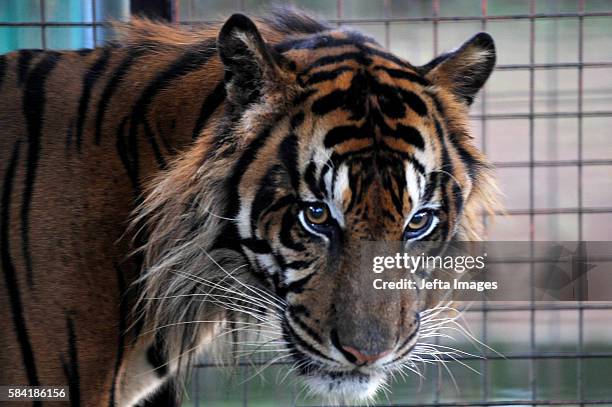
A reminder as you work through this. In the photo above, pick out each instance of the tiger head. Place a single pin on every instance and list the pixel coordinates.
(330, 140)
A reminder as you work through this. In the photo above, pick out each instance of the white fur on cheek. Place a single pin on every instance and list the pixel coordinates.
(414, 183)
(268, 262)
(244, 218)
(427, 156)
(341, 185)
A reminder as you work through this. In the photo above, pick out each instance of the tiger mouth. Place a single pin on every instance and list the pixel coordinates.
(337, 381)
(340, 384)
(337, 373)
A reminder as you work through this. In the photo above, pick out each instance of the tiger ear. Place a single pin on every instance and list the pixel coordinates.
(465, 70)
(249, 63)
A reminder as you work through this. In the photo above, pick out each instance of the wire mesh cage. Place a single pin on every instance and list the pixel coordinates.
(544, 119)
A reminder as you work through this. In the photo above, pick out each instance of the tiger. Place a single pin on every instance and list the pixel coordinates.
(181, 183)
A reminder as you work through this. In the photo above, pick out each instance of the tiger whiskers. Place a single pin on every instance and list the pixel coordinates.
(273, 341)
(234, 306)
(252, 288)
(258, 297)
(435, 325)
(265, 366)
(209, 321)
(199, 299)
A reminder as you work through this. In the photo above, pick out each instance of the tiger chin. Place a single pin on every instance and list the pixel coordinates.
(253, 158)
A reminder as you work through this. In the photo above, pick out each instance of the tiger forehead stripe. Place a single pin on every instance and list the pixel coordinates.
(327, 75)
(327, 50)
(409, 75)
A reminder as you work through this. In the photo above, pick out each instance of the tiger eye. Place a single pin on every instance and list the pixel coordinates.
(317, 214)
(419, 221)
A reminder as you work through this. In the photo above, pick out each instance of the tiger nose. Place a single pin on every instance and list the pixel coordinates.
(360, 358)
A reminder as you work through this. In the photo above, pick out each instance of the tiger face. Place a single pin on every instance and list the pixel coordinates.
(342, 142)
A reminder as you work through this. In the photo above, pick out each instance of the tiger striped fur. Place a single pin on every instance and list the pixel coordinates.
(224, 142)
